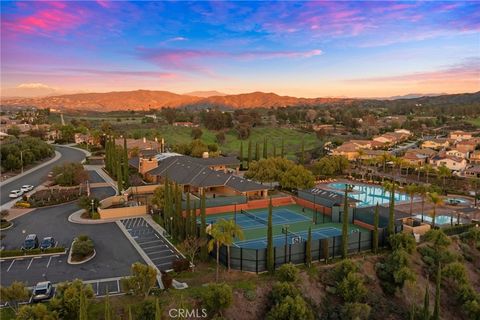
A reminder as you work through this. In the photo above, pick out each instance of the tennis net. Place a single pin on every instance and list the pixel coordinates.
(254, 217)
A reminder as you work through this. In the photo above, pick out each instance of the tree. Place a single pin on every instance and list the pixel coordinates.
(249, 155)
(352, 288)
(302, 153)
(70, 174)
(426, 305)
(158, 311)
(436, 309)
(390, 187)
(14, 131)
(14, 294)
(288, 272)
(125, 173)
(282, 150)
(217, 297)
(270, 248)
(297, 177)
(345, 224)
(158, 197)
(196, 133)
(220, 137)
(35, 312)
(436, 200)
(191, 247)
(83, 309)
(240, 154)
(219, 238)
(291, 308)
(257, 151)
(422, 190)
(142, 279)
(443, 172)
(232, 231)
(70, 298)
(308, 247)
(203, 227)
(108, 309)
(265, 150)
(411, 190)
(375, 230)
(357, 311)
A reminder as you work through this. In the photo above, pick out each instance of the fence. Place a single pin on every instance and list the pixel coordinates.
(255, 260)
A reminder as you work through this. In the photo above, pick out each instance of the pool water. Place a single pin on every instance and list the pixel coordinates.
(440, 220)
(368, 195)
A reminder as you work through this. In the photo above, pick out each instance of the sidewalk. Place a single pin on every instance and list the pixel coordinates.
(103, 175)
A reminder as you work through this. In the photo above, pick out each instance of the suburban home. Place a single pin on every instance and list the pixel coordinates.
(84, 138)
(141, 144)
(466, 146)
(197, 175)
(415, 158)
(472, 171)
(451, 162)
(460, 135)
(436, 144)
(347, 150)
(457, 153)
(475, 157)
(187, 124)
(370, 154)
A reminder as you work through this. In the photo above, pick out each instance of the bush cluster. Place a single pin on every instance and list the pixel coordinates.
(82, 247)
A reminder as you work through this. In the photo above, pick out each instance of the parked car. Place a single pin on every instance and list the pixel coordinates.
(26, 188)
(15, 193)
(31, 242)
(47, 242)
(42, 291)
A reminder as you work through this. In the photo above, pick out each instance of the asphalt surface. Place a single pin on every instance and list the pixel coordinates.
(155, 246)
(39, 176)
(94, 177)
(115, 254)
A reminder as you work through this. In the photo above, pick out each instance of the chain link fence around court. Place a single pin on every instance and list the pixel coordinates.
(255, 260)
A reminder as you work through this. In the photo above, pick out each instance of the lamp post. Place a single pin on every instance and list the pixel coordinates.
(171, 226)
(93, 206)
(285, 230)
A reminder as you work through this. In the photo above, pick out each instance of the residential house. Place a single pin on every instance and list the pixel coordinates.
(457, 153)
(472, 171)
(460, 135)
(451, 162)
(467, 146)
(348, 150)
(186, 124)
(436, 144)
(141, 144)
(475, 157)
(84, 138)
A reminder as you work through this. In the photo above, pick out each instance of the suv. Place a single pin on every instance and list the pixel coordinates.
(15, 193)
(26, 188)
(47, 242)
(42, 291)
(31, 242)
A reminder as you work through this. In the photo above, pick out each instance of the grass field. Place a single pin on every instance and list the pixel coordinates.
(292, 139)
(475, 121)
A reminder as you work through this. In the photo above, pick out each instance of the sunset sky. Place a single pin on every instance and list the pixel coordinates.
(303, 49)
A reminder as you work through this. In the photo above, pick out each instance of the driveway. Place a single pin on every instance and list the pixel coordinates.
(40, 175)
(115, 254)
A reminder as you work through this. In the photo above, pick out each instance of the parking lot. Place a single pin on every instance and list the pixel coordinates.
(155, 246)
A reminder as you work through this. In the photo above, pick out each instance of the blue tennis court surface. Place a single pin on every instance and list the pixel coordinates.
(279, 240)
(280, 216)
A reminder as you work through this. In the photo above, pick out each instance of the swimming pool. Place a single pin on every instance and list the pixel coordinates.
(368, 195)
(440, 220)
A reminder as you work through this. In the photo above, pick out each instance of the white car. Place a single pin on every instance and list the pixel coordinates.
(15, 193)
(26, 188)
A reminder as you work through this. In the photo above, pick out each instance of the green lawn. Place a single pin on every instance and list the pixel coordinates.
(475, 121)
(292, 138)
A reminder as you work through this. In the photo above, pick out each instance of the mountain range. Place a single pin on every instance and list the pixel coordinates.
(145, 99)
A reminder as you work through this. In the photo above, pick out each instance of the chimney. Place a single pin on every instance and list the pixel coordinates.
(144, 140)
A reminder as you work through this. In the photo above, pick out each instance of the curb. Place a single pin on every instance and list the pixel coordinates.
(73, 219)
(58, 155)
(71, 146)
(69, 259)
(35, 255)
(6, 228)
(141, 252)
(162, 231)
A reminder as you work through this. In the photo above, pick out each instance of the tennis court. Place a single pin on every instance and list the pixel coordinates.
(292, 237)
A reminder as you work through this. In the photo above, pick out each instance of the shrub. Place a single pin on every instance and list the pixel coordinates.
(291, 309)
(4, 213)
(357, 311)
(343, 268)
(351, 288)
(250, 295)
(145, 310)
(217, 297)
(394, 271)
(180, 265)
(22, 204)
(402, 240)
(167, 280)
(281, 290)
(287, 272)
(82, 247)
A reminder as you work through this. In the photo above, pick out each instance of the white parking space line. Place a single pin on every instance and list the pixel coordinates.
(157, 252)
(49, 260)
(151, 247)
(11, 265)
(153, 241)
(161, 264)
(30, 264)
(156, 235)
(98, 285)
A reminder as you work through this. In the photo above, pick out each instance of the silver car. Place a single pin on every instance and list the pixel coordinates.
(15, 194)
(26, 188)
(42, 291)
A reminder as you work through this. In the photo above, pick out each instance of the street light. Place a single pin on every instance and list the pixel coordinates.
(93, 206)
(171, 225)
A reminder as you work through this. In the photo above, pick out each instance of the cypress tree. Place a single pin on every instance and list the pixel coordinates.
(426, 304)
(240, 155)
(391, 211)
(257, 151)
(302, 153)
(265, 150)
(375, 230)
(108, 311)
(270, 248)
(83, 312)
(274, 151)
(119, 177)
(130, 317)
(436, 309)
(188, 217)
(126, 177)
(249, 158)
(282, 153)
(166, 222)
(345, 224)
(178, 214)
(194, 220)
(308, 248)
(203, 227)
(158, 311)
(107, 154)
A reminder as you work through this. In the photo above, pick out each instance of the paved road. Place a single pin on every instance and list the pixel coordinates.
(37, 177)
(115, 254)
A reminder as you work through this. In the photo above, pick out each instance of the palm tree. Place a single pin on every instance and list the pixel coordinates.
(436, 200)
(443, 172)
(219, 237)
(422, 190)
(232, 231)
(427, 168)
(411, 190)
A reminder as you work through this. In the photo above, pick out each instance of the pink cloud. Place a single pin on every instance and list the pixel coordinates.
(144, 74)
